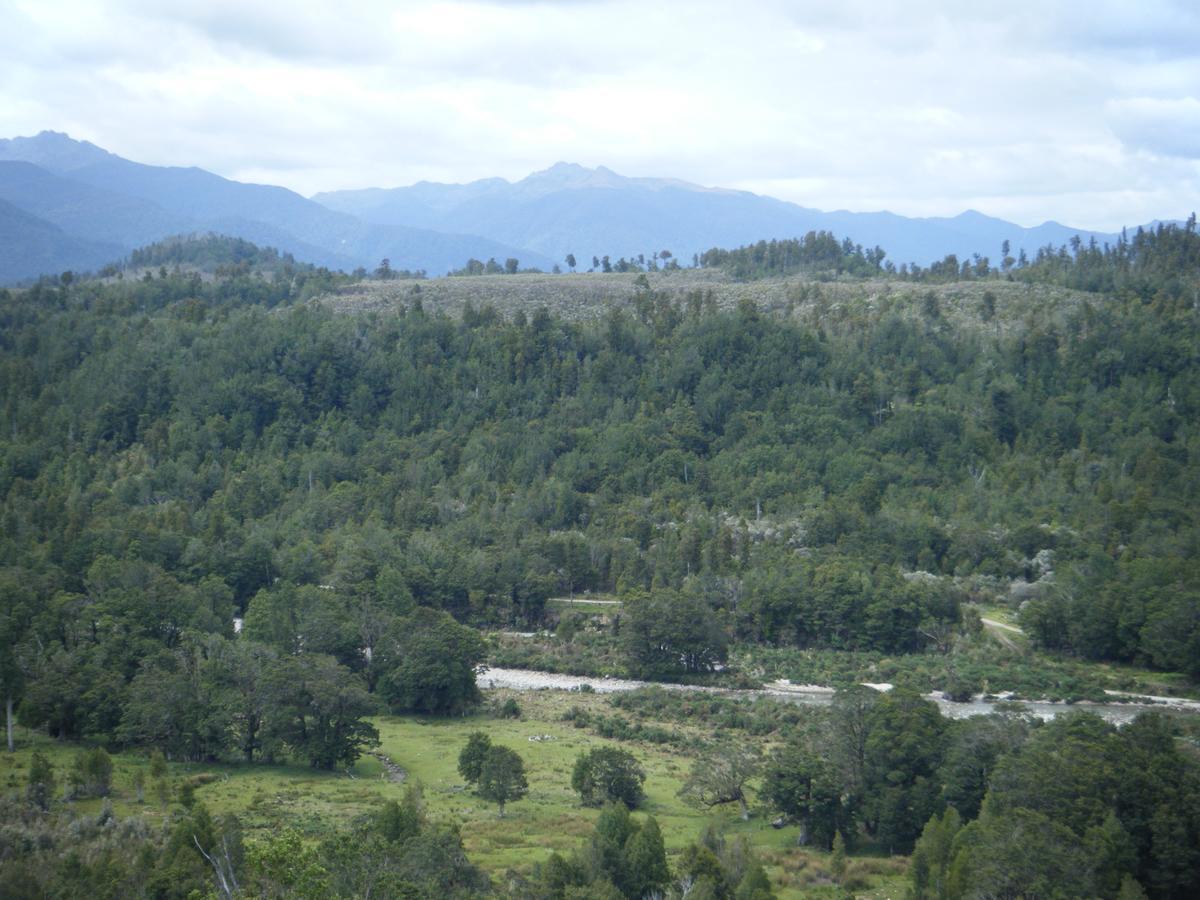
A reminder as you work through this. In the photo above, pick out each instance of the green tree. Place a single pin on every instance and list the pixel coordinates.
(975, 746)
(667, 633)
(16, 613)
(805, 787)
(283, 866)
(904, 748)
(239, 674)
(363, 864)
(429, 662)
(644, 861)
(502, 777)
(473, 755)
(396, 822)
(851, 718)
(699, 866)
(932, 855)
(318, 710)
(1129, 796)
(434, 861)
(173, 703)
(1020, 854)
(755, 885)
(837, 862)
(606, 775)
(720, 774)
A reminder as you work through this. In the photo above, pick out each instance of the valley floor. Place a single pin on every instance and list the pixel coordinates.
(266, 798)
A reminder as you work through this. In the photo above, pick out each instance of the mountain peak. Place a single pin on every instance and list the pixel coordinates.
(566, 176)
(53, 150)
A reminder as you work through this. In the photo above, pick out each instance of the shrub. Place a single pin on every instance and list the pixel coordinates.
(509, 709)
(41, 781)
(91, 774)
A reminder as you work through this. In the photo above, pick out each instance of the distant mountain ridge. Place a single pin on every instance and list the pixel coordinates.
(30, 247)
(93, 196)
(79, 200)
(572, 209)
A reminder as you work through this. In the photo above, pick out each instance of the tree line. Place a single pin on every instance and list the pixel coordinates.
(1158, 264)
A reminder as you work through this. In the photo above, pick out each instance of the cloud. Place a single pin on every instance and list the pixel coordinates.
(1155, 29)
(345, 33)
(1081, 112)
(1168, 127)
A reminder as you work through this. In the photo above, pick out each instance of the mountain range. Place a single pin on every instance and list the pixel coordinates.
(94, 207)
(572, 209)
(68, 204)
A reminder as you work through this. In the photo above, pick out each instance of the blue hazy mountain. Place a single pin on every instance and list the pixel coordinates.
(572, 209)
(82, 210)
(30, 246)
(95, 195)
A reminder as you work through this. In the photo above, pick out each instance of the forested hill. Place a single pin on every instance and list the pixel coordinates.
(1149, 264)
(843, 475)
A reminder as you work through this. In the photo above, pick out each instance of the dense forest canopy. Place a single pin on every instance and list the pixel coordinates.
(365, 490)
(790, 475)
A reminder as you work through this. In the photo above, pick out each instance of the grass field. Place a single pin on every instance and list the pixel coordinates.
(591, 296)
(266, 798)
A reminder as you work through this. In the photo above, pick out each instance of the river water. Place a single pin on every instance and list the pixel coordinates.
(818, 695)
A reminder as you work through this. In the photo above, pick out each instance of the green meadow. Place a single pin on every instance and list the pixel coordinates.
(266, 798)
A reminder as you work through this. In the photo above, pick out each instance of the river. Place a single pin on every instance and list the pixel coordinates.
(818, 695)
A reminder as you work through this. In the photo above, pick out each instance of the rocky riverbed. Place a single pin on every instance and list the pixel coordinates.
(1125, 707)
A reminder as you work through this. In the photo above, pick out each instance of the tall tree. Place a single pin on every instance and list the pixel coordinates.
(502, 777)
(644, 860)
(805, 787)
(903, 751)
(671, 632)
(472, 756)
(608, 775)
(318, 710)
(16, 612)
(428, 664)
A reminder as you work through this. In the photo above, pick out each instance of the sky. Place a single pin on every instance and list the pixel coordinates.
(1087, 113)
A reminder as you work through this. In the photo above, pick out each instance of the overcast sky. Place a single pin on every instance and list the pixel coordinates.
(1083, 112)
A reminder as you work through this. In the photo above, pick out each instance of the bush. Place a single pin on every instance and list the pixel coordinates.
(91, 774)
(509, 709)
(41, 781)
